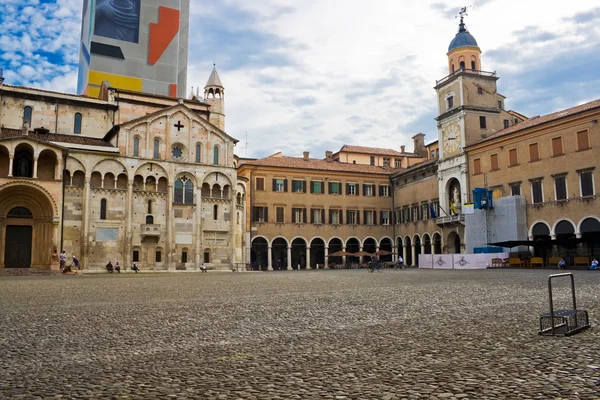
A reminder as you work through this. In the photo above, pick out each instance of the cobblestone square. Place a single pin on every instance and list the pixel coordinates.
(410, 334)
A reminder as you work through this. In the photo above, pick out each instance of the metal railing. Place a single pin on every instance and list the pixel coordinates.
(465, 71)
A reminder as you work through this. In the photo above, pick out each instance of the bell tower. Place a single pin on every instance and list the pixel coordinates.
(214, 94)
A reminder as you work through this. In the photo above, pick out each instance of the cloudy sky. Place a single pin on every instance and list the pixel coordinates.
(313, 75)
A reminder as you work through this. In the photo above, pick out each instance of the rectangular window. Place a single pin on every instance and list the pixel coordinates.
(317, 187)
(415, 213)
(479, 90)
(368, 190)
(500, 104)
(351, 189)
(158, 256)
(425, 211)
(405, 215)
(384, 191)
(184, 256)
(299, 215)
(334, 188)
(557, 147)
(515, 189)
(476, 166)
(334, 217)
(506, 124)
(280, 215)
(386, 161)
(560, 188)
(280, 185)
(351, 218)
(397, 163)
(372, 160)
(435, 204)
(260, 184)
(260, 214)
(583, 140)
(316, 216)
(368, 217)
(494, 162)
(482, 122)
(534, 154)
(385, 217)
(537, 194)
(136, 256)
(450, 101)
(513, 159)
(298, 186)
(586, 181)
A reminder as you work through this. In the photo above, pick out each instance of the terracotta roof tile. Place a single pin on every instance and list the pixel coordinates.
(318, 164)
(53, 137)
(543, 119)
(374, 150)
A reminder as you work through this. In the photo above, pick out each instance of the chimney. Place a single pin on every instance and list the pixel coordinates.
(402, 148)
(306, 154)
(328, 155)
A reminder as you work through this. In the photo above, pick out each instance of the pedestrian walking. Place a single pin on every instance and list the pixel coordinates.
(63, 260)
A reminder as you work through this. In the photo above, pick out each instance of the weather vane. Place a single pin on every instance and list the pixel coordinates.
(463, 13)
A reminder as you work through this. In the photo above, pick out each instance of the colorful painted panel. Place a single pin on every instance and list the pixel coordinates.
(118, 19)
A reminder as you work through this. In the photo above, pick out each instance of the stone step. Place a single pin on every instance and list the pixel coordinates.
(27, 272)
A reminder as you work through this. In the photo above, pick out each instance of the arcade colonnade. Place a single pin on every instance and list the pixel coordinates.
(280, 253)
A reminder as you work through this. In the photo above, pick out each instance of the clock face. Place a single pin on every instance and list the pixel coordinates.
(452, 138)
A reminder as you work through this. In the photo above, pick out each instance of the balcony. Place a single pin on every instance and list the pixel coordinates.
(151, 230)
(465, 72)
(451, 219)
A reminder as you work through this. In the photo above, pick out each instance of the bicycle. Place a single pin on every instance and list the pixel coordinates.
(372, 267)
(399, 265)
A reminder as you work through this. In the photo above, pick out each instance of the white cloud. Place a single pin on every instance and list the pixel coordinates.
(315, 74)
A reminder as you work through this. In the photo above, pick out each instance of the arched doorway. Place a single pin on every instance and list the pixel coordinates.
(370, 246)
(279, 254)
(317, 253)
(259, 253)
(352, 246)
(453, 243)
(335, 245)
(386, 245)
(437, 243)
(566, 240)
(417, 249)
(540, 232)
(408, 260)
(299, 253)
(590, 236)
(26, 228)
(426, 244)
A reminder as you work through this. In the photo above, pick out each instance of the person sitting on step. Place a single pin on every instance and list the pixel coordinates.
(109, 267)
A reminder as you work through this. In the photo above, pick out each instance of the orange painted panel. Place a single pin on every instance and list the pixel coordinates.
(162, 34)
(173, 90)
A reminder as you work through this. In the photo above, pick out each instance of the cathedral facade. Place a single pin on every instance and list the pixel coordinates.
(127, 177)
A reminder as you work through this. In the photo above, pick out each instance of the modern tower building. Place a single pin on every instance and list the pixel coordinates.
(139, 45)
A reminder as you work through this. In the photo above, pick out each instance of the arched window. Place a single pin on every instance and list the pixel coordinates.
(215, 212)
(473, 65)
(136, 146)
(184, 191)
(156, 146)
(149, 220)
(103, 209)
(27, 114)
(216, 155)
(198, 150)
(462, 65)
(184, 256)
(452, 67)
(77, 127)
(149, 206)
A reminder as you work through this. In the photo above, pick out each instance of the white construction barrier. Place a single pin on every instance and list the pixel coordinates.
(458, 261)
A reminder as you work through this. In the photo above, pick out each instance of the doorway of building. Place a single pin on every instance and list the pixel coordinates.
(18, 247)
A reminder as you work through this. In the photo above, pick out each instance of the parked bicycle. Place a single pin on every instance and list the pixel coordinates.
(371, 266)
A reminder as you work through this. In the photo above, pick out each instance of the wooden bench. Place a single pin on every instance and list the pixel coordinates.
(515, 262)
(553, 261)
(537, 262)
(582, 261)
(497, 263)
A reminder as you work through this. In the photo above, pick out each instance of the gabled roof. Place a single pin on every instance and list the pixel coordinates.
(279, 161)
(539, 120)
(374, 151)
(54, 137)
(168, 110)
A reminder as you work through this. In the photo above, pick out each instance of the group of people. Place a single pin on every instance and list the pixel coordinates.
(64, 268)
(110, 268)
(562, 264)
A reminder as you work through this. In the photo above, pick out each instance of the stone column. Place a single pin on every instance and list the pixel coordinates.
(233, 225)
(35, 166)
(289, 258)
(404, 247)
(360, 258)
(86, 222)
(343, 258)
(308, 258)
(169, 245)
(129, 228)
(394, 253)
(59, 169)
(10, 166)
(414, 254)
(270, 258)
(198, 249)
(326, 266)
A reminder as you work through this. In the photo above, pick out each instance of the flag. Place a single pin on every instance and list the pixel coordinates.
(432, 211)
(453, 208)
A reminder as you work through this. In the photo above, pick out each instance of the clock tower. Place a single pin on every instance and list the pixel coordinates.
(470, 109)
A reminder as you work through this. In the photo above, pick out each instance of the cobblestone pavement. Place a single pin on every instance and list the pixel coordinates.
(294, 335)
